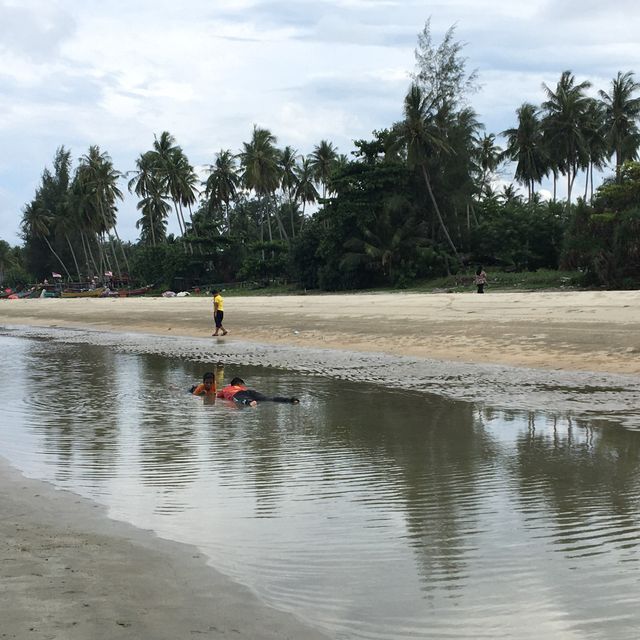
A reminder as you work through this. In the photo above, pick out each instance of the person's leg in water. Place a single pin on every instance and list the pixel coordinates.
(252, 397)
(249, 397)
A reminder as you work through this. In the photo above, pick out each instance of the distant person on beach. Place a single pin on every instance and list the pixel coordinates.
(481, 279)
(238, 393)
(218, 313)
(207, 387)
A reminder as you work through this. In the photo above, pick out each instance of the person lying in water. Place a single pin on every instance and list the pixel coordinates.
(207, 387)
(238, 392)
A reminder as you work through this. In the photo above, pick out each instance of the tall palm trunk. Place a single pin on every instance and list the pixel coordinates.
(73, 255)
(268, 216)
(586, 182)
(283, 232)
(106, 226)
(293, 228)
(53, 251)
(93, 259)
(437, 210)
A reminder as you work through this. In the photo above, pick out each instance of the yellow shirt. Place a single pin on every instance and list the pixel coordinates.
(218, 303)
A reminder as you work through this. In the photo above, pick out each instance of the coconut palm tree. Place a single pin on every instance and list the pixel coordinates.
(596, 145)
(260, 160)
(323, 159)
(565, 121)
(289, 180)
(422, 141)
(487, 156)
(306, 191)
(97, 179)
(622, 112)
(186, 186)
(221, 187)
(153, 222)
(525, 147)
(176, 174)
(150, 185)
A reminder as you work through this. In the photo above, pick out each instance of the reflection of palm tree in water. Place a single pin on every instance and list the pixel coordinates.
(429, 456)
(568, 460)
(80, 427)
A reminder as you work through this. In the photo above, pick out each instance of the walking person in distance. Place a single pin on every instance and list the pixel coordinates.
(218, 313)
(481, 279)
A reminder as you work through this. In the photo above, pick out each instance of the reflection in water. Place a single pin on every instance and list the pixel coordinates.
(371, 513)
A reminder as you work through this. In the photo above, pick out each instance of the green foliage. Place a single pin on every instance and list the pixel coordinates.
(305, 263)
(266, 261)
(604, 241)
(161, 264)
(606, 247)
(523, 236)
(621, 194)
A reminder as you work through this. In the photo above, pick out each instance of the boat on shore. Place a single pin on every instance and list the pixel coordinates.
(87, 293)
(126, 293)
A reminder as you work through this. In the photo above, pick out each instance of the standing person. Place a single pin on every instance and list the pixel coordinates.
(218, 313)
(481, 278)
(238, 392)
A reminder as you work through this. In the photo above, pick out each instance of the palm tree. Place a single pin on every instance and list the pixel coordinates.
(98, 181)
(260, 161)
(35, 224)
(392, 237)
(565, 122)
(150, 185)
(186, 190)
(622, 112)
(487, 155)
(422, 141)
(289, 180)
(525, 147)
(177, 175)
(323, 159)
(306, 191)
(510, 195)
(595, 140)
(153, 223)
(222, 184)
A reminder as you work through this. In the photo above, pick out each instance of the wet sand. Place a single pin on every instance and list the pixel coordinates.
(68, 572)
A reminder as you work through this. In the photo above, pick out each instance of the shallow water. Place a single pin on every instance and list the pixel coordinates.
(370, 512)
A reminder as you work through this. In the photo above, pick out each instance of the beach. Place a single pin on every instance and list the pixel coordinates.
(70, 572)
(571, 331)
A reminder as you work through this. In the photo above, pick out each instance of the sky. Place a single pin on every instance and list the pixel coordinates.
(117, 73)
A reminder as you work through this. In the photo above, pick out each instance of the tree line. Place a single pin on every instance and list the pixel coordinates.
(415, 200)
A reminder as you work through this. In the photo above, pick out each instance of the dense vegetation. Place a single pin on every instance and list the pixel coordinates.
(413, 202)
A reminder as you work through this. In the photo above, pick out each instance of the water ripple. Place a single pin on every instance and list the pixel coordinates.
(371, 514)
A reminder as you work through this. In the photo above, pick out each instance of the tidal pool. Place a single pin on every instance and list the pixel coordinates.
(367, 511)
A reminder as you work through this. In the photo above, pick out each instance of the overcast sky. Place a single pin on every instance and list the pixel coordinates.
(114, 73)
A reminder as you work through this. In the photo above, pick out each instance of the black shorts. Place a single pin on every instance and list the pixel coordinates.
(218, 318)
